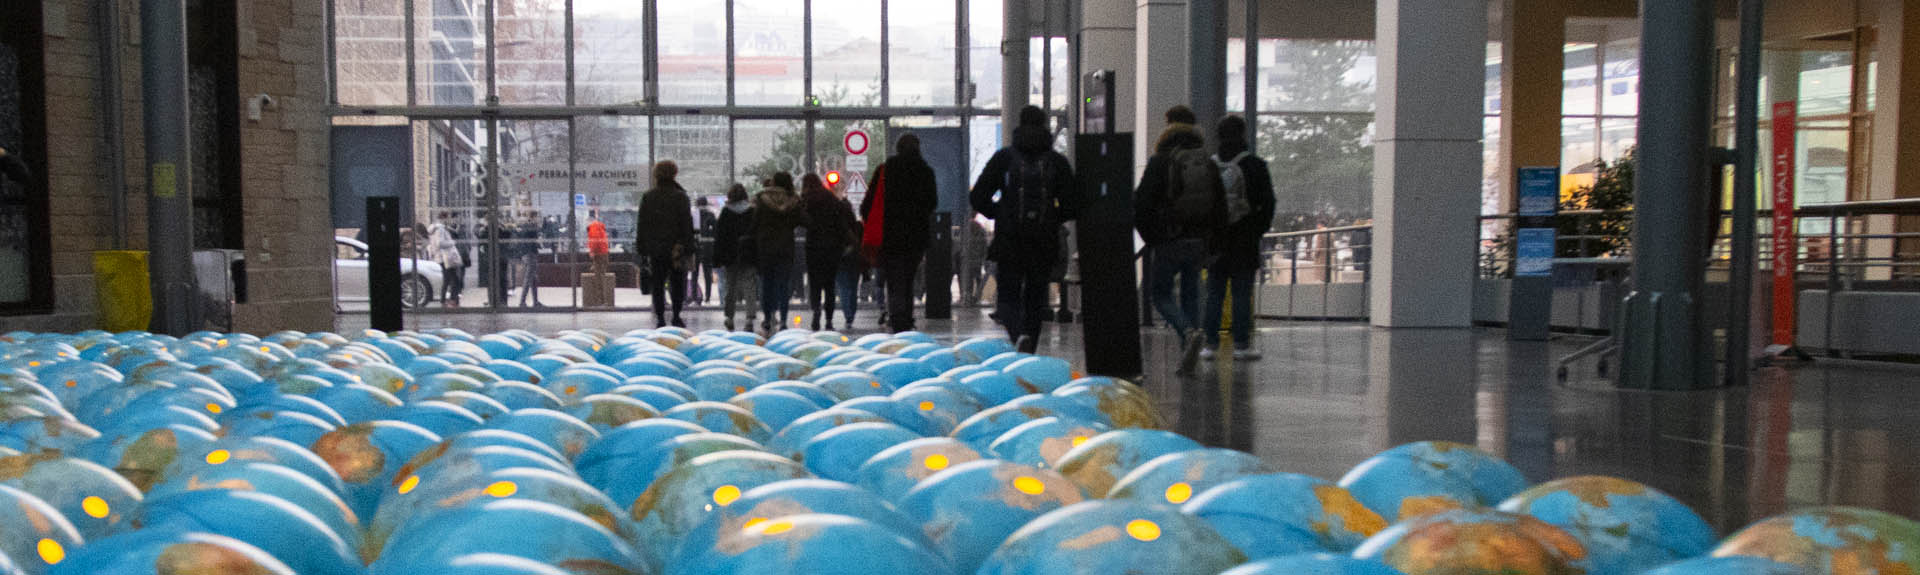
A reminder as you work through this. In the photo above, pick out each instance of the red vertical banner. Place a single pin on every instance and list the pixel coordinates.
(1786, 243)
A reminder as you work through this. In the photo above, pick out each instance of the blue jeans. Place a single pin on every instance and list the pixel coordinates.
(1218, 278)
(1182, 259)
(776, 288)
(849, 285)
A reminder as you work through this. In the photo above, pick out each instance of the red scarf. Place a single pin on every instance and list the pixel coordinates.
(871, 235)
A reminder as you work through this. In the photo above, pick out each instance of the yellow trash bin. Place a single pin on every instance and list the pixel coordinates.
(121, 290)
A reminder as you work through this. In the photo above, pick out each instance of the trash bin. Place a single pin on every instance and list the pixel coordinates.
(122, 291)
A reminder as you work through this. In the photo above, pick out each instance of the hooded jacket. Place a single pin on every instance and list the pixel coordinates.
(912, 195)
(776, 212)
(989, 195)
(733, 232)
(830, 225)
(666, 220)
(1150, 200)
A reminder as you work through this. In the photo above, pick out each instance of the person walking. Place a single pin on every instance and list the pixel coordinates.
(1235, 247)
(904, 196)
(530, 240)
(446, 252)
(1027, 190)
(733, 245)
(702, 288)
(776, 214)
(853, 268)
(666, 239)
(830, 226)
(1179, 203)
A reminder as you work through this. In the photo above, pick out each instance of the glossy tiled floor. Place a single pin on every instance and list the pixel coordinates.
(1329, 395)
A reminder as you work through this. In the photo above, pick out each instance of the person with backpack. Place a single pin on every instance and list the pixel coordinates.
(1236, 246)
(1179, 204)
(733, 253)
(1027, 189)
(901, 208)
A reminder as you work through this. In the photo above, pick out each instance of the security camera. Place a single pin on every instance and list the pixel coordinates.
(256, 104)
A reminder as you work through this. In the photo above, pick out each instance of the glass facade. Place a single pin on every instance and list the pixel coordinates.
(1315, 122)
(528, 121)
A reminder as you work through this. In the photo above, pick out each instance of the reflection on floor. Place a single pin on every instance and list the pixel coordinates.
(1329, 395)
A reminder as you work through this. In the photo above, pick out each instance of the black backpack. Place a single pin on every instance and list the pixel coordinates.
(1035, 214)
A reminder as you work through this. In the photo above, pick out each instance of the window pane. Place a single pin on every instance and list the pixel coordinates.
(1236, 75)
(693, 51)
(1577, 80)
(920, 58)
(771, 45)
(609, 50)
(699, 146)
(763, 147)
(1617, 136)
(1579, 150)
(1322, 167)
(983, 53)
(1826, 83)
(1621, 95)
(370, 47)
(846, 52)
(1062, 73)
(1493, 180)
(450, 57)
(530, 56)
(1494, 70)
(1317, 76)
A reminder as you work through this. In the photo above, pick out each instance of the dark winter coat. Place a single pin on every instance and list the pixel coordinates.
(830, 225)
(912, 195)
(776, 212)
(1238, 244)
(1150, 199)
(733, 235)
(1041, 248)
(666, 221)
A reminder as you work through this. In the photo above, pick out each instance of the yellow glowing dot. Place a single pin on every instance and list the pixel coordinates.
(875, 384)
(778, 527)
(844, 339)
(755, 522)
(222, 342)
(937, 462)
(739, 389)
(61, 354)
(71, 383)
(926, 406)
(726, 495)
(1143, 530)
(502, 489)
(696, 340)
(33, 364)
(265, 349)
(796, 320)
(572, 389)
(1179, 493)
(219, 456)
(95, 507)
(408, 485)
(214, 408)
(597, 347)
(51, 551)
(1079, 440)
(1029, 485)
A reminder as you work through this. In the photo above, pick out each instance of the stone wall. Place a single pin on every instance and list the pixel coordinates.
(284, 188)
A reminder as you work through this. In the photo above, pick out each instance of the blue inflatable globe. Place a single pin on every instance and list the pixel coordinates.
(1626, 527)
(969, 509)
(1099, 463)
(1282, 513)
(1423, 478)
(1114, 537)
(1313, 564)
(168, 552)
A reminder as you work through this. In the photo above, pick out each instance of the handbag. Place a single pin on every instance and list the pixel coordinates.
(875, 230)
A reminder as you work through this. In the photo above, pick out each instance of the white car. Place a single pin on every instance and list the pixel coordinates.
(419, 279)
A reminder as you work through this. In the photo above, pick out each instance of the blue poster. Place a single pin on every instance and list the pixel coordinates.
(1539, 192)
(1533, 256)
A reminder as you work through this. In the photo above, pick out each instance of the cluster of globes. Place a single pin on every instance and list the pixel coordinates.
(811, 453)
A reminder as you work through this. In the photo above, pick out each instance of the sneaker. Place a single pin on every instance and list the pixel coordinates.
(1246, 355)
(1190, 355)
(729, 324)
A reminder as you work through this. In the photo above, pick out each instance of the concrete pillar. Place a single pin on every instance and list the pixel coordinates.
(1015, 60)
(1662, 344)
(1431, 85)
(1896, 135)
(1107, 43)
(1160, 65)
(1206, 61)
(1533, 37)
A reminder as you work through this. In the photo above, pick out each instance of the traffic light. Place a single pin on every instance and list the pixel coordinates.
(833, 179)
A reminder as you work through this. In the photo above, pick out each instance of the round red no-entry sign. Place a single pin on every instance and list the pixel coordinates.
(856, 142)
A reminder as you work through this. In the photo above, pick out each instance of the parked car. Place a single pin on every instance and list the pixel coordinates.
(419, 279)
